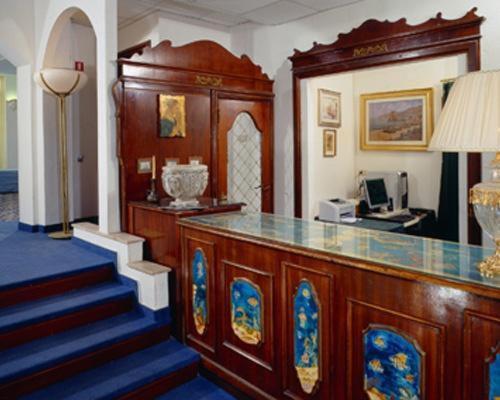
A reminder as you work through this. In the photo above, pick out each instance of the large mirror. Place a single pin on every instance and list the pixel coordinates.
(364, 114)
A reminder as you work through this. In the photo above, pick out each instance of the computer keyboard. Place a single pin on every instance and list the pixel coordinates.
(402, 218)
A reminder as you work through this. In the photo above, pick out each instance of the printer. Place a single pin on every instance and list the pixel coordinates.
(333, 210)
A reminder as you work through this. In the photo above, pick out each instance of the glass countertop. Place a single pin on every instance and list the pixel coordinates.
(443, 259)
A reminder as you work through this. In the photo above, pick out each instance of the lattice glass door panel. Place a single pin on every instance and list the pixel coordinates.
(244, 168)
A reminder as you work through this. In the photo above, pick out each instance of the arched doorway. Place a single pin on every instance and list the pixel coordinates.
(72, 39)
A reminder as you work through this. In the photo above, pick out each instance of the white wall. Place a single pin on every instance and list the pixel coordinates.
(17, 46)
(84, 138)
(138, 32)
(11, 119)
(326, 177)
(51, 16)
(281, 40)
(336, 177)
(75, 42)
(160, 26)
(423, 168)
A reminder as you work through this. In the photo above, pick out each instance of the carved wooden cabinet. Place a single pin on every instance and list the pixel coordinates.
(302, 310)
(225, 97)
(158, 226)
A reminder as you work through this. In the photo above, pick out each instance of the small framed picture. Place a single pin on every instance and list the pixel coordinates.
(144, 165)
(329, 142)
(329, 108)
(172, 161)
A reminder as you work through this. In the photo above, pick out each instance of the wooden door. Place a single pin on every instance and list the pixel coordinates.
(245, 150)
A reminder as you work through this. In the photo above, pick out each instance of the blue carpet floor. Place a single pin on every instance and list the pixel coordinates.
(7, 228)
(26, 258)
(29, 257)
(200, 389)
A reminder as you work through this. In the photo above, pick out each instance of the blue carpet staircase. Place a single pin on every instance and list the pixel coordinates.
(82, 335)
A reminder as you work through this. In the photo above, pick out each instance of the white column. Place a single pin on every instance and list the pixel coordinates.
(109, 190)
(26, 147)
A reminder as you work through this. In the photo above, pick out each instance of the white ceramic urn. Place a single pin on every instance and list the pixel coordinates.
(185, 182)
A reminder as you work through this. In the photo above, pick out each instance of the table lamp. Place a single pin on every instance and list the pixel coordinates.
(470, 122)
(62, 82)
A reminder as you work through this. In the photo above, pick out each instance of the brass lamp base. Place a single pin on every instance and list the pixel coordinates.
(490, 267)
(485, 198)
(61, 235)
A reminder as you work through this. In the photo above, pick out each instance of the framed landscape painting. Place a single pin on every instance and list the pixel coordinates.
(329, 108)
(401, 120)
(172, 116)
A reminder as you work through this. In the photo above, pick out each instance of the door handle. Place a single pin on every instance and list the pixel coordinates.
(263, 188)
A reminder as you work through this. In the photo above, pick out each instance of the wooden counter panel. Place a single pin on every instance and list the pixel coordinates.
(450, 331)
(203, 338)
(481, 346)
(427, 338)
(253, 357)
(322, 284)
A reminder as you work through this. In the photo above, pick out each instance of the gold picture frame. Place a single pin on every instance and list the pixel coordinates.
(172, 116)
(329, 142)
(329, 108)
(399, 120)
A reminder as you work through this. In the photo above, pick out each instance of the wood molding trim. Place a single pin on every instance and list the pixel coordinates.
(376, 43)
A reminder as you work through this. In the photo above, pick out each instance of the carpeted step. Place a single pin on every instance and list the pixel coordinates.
(125, 377)
(51, 284)
(55, 357)
(32, 320)
(199, 389)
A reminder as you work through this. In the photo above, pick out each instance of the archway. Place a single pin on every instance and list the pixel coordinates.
(72, 38)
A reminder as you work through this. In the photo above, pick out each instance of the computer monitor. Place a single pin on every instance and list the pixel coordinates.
(376, 193)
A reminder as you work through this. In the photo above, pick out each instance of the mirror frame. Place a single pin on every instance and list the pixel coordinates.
(375, 43)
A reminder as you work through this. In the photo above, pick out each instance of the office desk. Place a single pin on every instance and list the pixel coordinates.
(376, 224)
(424, 223)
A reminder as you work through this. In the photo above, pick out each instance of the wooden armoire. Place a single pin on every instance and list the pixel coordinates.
(229, 120)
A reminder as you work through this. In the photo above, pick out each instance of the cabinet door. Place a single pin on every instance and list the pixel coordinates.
(393, 355)
(245, 154)
(248, 345)
(481, 357)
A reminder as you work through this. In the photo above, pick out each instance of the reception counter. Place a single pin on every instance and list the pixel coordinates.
(289, 308)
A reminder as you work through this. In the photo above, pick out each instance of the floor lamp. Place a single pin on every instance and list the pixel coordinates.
(62, 82)
(470, 122)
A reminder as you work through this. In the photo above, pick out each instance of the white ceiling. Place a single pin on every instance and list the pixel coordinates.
(227, 13)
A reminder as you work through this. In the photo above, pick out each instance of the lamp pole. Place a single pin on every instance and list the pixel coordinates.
(61, 95)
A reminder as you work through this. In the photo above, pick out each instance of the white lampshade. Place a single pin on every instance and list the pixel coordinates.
(61, 81)
(470, 120)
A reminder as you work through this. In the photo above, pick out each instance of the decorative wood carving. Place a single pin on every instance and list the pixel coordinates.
(376, 43)
(393, 363)
(306, 330)
(200, 291)
(247, 310)
(200, 71)
(194, 62)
